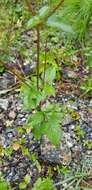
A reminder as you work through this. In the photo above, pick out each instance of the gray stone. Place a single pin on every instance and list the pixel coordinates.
(55, 155)
(6, 81)
(3, 103)
(67, 119)
(72, 74)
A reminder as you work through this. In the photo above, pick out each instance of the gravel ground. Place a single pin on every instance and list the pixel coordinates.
(74, 152)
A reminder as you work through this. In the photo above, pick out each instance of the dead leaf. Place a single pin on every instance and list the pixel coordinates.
(16, 146)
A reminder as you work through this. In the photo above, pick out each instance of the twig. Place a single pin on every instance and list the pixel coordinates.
(65, 181)
(86, 183)
(75, 177)
(78, 183)
(5, 91)
(18, 75)
(82, 95)
(71, 183)
(12, 164)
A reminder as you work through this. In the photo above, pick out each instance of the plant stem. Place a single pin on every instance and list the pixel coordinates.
(30, 7)
(38, 55)
(45, 61)
(55, 8)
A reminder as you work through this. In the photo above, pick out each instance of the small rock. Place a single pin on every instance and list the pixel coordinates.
(90, 105)
(69, 144)
(67, 119)
(12, 114)
(54, 155)
(72, 74)
(4, 103)
(72, 105)
(10, 135)
(72, 126)
(6, 81)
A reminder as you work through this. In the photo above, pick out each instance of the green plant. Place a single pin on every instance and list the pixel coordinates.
(88, 56)
(79, 132)
(25, 182)
(1, 68)
(44, 184)
(81, 11)
(73, 181)
(87, 144)
(4, 185)
(86, 86)
(44, 117)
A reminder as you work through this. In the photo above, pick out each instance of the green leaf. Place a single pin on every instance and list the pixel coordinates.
(47, 122)
(38, 19)
(44, 184)
(25, 152)
(52, 129)
(49, 90)
(52, 107)
(1, 68)
(36, 118)
(22, 185)
(43, 12)
(38, 131)
(33, 22)
(31, 97)
(27, 179)
(57, 24)
(8, 151)
(3, 185)
(35, 121)
(50, 74)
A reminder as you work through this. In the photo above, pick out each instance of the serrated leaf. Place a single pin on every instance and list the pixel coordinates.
(38, 131)
(31, 97)
(36, 118)
(55, 107)
(48, 123)
(36, 122)
(52, 129)
(49, 90)
(53, 133)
